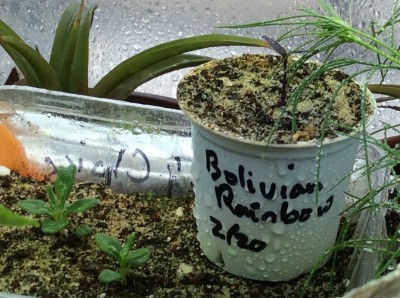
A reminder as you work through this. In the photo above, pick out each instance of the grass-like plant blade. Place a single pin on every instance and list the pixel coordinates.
(167, 50)
(32, 60)
(9, 218)
(385, 89)
(78, 80)
(174, 63)
(81, 205)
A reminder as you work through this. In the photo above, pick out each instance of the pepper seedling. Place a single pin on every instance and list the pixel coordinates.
(122, 254)
(57, 209)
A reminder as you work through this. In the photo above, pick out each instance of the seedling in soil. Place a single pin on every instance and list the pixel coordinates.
(57, 209)
(122, 254)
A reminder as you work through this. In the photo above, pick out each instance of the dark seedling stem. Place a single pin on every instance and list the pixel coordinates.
(281, 51)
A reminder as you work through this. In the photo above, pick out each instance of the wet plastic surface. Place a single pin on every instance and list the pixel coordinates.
(127, 147)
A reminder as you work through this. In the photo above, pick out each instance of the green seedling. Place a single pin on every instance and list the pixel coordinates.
(57, 209)
(67, 69)
(11, 219)
(122, 254)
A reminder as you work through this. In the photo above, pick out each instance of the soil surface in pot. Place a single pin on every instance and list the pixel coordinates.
(244, 98)
(38, 264)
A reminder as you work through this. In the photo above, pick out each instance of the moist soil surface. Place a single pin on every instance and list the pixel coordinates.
(258, 99)
(62, 265)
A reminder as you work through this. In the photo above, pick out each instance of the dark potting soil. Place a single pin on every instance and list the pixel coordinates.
(38, 264)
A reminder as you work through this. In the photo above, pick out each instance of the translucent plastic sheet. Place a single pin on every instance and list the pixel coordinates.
(124, 146)
(371, 221)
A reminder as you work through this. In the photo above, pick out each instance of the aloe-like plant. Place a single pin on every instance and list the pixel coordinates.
(67, 69)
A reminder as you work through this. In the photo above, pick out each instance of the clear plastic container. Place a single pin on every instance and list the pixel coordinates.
(127, 147)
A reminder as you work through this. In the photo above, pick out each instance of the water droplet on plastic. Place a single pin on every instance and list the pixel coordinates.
(232, 251)
(270, 257)
(278, 228)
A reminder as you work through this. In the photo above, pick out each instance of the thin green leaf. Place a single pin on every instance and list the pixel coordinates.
(37, 207)
(50, 226)
(64, 44)
(108, 276)
(78, 81)
(9, 218)
(106, 242)
(164, 51)
(174, 63)
(385, 89)
(33, 66)
(81, 205)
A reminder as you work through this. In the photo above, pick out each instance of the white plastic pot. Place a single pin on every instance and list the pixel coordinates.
(259, 211)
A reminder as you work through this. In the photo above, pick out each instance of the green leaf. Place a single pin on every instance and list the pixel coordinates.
(109, 245)
(128, 244)
(164, 51)
(64, 182)
(19, 60)
(70, 53)
(37, 207)
(50, 226)
(138, 257)
(385, 89)
(108, 276)
(78, 81)
(81, 205)
(32, 65)
(82, 231)
(9, 218)
(174, 63)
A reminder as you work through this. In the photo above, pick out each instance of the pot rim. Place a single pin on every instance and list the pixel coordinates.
(299, 144)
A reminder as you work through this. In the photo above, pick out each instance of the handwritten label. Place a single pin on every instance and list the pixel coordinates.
(225, 195)
(109, 172)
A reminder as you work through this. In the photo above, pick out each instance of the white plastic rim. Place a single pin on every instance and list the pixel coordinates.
(268, 213)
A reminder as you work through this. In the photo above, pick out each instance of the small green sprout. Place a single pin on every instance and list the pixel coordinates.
(122, 254)
(11, 219)
(57, 209)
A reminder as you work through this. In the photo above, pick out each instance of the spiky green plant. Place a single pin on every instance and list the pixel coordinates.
(67, 69)
(326, 31)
